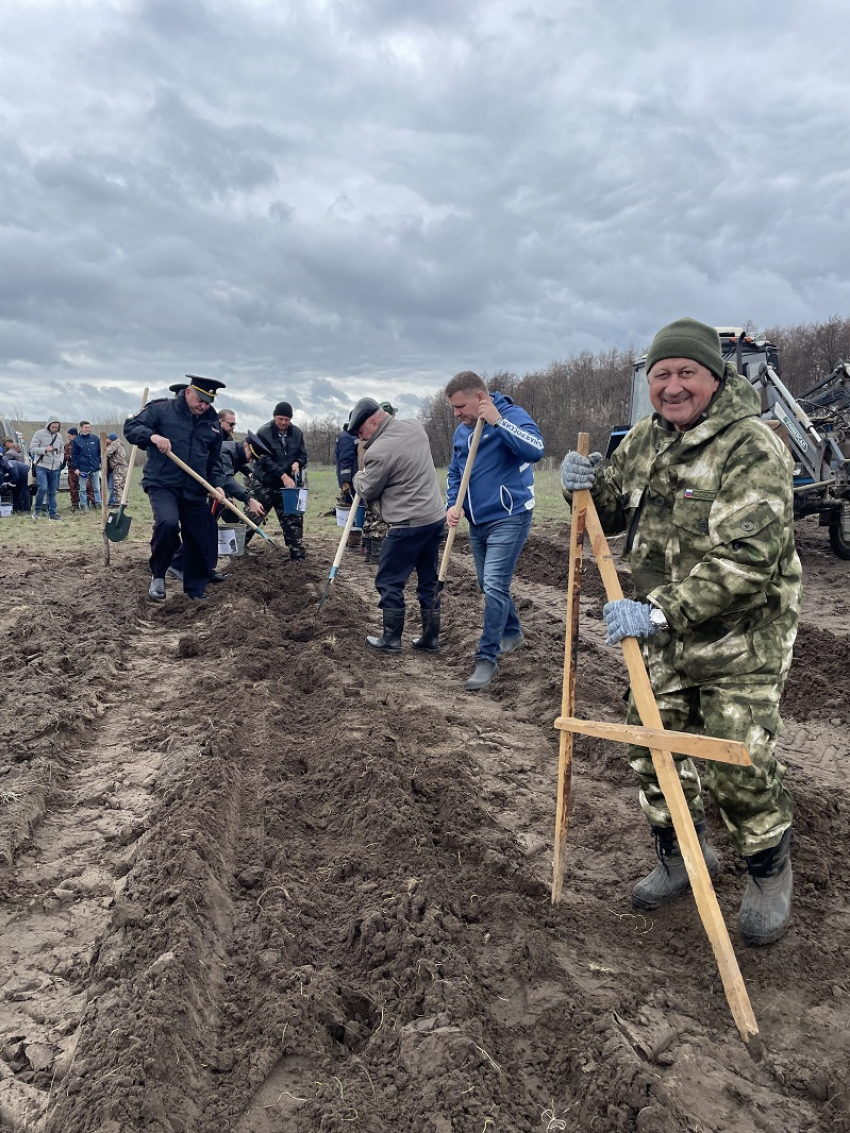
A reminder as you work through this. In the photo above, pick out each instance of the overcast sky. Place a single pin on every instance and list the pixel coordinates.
(320, 200)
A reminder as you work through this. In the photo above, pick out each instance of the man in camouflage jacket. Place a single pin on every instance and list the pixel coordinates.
(703, 489)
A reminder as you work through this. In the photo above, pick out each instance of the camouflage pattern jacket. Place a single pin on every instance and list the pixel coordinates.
(709, 516)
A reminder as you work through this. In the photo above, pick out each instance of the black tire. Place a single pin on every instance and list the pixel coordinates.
(839, 535)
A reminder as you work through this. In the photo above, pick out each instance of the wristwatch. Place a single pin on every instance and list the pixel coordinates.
(658, 618)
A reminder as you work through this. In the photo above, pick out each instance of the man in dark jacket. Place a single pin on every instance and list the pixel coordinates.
(346, 466)
(284, 469)
(187, 425)
(85, 453)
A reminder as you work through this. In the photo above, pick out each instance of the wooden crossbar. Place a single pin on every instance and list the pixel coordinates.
(683, 743)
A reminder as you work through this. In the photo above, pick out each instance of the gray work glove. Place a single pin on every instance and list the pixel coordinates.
(579, 471)
(625, 618)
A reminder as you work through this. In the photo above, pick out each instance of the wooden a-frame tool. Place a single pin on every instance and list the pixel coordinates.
(653, 736)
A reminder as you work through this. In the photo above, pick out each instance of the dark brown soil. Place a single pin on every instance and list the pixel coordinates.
(255, 879)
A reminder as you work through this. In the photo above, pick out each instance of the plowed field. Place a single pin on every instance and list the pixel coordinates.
(256, 879)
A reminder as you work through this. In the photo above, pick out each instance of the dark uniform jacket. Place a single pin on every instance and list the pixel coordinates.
(233, 459)
(196, 440)
(288, 448)
(346, 458)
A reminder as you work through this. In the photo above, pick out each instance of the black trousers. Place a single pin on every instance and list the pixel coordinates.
(405, 550)
(173, 516)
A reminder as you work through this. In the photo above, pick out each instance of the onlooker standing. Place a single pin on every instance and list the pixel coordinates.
(47, 448)
(18, 475)
(346, 466)
(498, 504)
(85, 450)
(282, 470)
(398, 471)
(116, 468)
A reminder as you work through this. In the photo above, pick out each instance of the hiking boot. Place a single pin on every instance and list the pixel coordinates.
(670, 878)
(482, 674)
(430, 639)
(366, 550)
(157, 589)
(173, 572)
(374, 555)
(390, 639)
(766, 906)
(511, 644)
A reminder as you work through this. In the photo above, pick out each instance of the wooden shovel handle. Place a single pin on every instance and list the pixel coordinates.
(230, 504)
(461, 496)
(346, 531)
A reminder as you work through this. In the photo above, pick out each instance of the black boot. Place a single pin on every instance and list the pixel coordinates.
(670, 878)
(375, 551)
(766, 907)
(390, 639)
(367, 550)
(430, 639)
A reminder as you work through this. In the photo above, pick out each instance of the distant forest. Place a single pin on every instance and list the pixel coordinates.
(590, 392)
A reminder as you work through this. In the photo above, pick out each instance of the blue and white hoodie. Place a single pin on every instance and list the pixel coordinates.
(502, 480)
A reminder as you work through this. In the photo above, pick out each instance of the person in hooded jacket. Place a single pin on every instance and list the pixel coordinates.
(704, 490)
(47, 449)
(498, 504)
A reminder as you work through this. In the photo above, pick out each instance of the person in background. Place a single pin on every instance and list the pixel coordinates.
(47, 449)
(116, 468)
(499, 502)
(85, 451)
(284, 469)
(18, 475)
(346, 465)
(704, 490)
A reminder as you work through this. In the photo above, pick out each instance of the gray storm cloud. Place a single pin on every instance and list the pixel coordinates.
(330, 199)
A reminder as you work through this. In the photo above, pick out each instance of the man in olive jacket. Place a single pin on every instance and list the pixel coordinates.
(703, 489)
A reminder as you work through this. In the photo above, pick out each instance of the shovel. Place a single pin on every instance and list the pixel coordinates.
(118, 523)
(346, 531)
(191, 472)
(450, 538)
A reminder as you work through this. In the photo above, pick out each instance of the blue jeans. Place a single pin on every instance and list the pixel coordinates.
(95, 483)
(48, 486)
(495, 548)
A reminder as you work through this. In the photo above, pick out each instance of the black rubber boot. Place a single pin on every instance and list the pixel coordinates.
(367, 550)
(670, 879)
(766, 906)
(430, 639)
(375, 551)
(390, 639)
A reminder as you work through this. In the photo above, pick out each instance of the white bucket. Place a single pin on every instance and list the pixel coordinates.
(342, 514)
(231, 539)
(5, 509)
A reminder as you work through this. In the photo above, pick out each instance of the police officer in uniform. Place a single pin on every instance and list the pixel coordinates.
(187, 425)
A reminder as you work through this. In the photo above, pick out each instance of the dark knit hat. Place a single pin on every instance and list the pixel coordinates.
(282, 409)
(687, 338)
(365, 408)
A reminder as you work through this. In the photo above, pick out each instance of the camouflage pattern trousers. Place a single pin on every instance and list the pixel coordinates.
(754, 804)
(373, 526)
(292, 526)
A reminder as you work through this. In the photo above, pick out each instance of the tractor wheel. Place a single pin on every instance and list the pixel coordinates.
(839, 533)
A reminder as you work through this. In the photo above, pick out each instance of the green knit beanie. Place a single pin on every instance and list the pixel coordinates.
(687, 338)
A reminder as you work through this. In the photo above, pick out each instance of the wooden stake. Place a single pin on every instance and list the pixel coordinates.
(568, 693)
(668, 779)
(683, 743)
(104, 495)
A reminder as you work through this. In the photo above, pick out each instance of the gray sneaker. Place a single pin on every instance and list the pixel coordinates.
(55, 518)
(482, 675)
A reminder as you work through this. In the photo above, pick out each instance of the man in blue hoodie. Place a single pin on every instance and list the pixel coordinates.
(498, 504)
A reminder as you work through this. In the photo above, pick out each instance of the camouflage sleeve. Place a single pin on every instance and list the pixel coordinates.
(741, 546)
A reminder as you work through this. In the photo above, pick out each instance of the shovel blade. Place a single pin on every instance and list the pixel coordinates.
(118, 525)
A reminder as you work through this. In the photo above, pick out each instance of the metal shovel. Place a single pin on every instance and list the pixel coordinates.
(117, 525)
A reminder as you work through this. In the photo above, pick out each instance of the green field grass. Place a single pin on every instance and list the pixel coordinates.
(85, 528)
